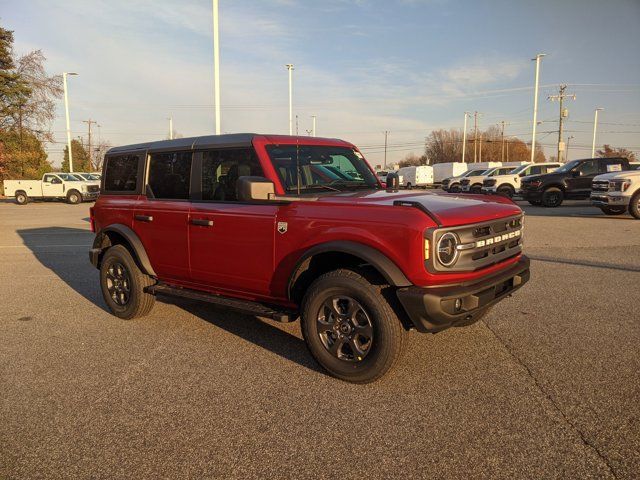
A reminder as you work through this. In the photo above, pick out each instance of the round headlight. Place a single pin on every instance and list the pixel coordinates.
(447, 252)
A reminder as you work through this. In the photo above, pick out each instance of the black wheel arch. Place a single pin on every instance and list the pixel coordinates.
(119, 234)
(325, 257)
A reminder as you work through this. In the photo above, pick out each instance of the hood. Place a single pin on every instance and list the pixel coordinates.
(448, 208)
(614, 175)
(545, 176)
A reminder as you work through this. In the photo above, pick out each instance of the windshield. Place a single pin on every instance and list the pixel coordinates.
(313, 168)
(475, 173)
(567, 166)
(67, 177)
(520, 169)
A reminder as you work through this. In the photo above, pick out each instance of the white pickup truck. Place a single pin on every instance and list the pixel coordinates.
(616, 192)
(53, 185)
(508, 184)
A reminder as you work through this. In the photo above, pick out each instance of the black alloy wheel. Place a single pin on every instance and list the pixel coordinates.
(118, 284)
(552, 197)
(345, 328)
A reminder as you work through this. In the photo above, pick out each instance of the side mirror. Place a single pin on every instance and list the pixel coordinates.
(576, 173)
(393, 182)
(254, 188)
(522, 174)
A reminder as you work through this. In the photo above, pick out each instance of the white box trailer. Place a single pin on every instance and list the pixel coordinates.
(485, 165)
(448, 169)
(421, 176)
(514, 164)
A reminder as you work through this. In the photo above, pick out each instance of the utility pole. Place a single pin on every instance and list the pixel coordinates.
(66, 109)
(480, 147)
(290, 68)
(216, 65)
(535, 105)
(464, 136)
(313, 126)
(560, 97)
(502, 136)
(89, 122)
(475, 137)
(567, 152)
(595, 128)
(386, 134)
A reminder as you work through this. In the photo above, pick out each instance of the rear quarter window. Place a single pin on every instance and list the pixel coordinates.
(121, 173)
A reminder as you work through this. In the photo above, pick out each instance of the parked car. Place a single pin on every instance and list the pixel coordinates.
(570, 181)
(53, 185)
(617, 192)
(442, 171)
(420, 176)
(88, 177)
(473, 183)
(452, 184)
(508, 184)
(251, 223)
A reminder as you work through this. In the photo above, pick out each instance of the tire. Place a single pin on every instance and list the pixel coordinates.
(506, 191)
(535, 203)
(74, 197)
(476, 188)
(613, 210)
(22, 198)
(372, 337)
(552, 197)
(634, 205)
(455, 188)
(123, 285)
(409, 186)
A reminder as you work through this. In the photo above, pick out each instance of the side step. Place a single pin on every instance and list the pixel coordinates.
(244, 306)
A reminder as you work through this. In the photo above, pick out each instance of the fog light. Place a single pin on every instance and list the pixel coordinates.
(458, 304)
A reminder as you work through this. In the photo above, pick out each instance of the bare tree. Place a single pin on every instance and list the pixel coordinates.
(609, 151)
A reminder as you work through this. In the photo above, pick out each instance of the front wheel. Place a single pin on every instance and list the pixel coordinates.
(552, 197)
(455, 188)
(350, 328)
(476, 189)
(613, 210)
(74, 197)
(123, 284)
(535, 203)
(634, 205)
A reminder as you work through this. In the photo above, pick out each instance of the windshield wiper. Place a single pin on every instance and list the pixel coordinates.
(311, 187)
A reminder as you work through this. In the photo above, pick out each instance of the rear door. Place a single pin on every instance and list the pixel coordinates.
(161, 216)
(231, 242)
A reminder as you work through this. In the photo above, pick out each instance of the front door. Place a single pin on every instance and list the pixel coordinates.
(580, 182)
(231, 243)
(161, 217)
(52, 186)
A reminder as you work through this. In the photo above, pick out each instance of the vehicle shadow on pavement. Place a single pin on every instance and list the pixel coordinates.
(606, 266)
(250, 328)
(64, 251)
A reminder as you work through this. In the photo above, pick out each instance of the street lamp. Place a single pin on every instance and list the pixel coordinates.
(290, 68)
(66, 109)
(313, 126)
(566, 158)
(464, 135)
(535, 105)
(595, 128)
(170, 128)
(216, 66)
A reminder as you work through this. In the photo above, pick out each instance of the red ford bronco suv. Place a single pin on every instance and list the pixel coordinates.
(286, 227)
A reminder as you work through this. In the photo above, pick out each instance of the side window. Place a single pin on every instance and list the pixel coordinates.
(121, 173)
(536, 170)
(49, 178)
(170, 175)
(589, 167)
(221, 170)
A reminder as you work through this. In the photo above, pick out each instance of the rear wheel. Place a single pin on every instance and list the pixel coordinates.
(634, 206)
(74, 197)
(455, 188)
(613, 210)
(476, 188)
(536, 203)
(552, 197)
(22, 198)
(123, 284)
(350, 328)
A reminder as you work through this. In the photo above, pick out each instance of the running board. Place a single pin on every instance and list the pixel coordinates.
(243, 306)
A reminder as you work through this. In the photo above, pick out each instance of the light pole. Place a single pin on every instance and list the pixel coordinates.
(595, 128)
(313, 126)
(290, 68)
(216, 65)
(464, 136)
(170, 128)
(66, 110)
(535, 105)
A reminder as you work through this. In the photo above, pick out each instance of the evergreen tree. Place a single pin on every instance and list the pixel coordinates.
(81, 161)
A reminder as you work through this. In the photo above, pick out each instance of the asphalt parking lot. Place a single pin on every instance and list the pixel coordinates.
(547, 386)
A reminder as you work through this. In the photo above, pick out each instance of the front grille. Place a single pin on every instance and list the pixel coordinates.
(465, 181)
(93, 188)
(489, 182)
(482, 245)
(600, 186)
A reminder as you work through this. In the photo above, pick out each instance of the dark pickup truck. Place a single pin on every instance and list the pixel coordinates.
(571, 181)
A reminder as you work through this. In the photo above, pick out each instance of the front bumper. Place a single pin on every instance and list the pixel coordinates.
(90, 195)
(489, 190)
(432, 309)
(531, 194)
(609, 200)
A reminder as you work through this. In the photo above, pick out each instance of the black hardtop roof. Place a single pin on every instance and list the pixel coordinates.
(207, 141)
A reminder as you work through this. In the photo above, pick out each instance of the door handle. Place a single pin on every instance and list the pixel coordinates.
(144, 218)
(202, 222)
